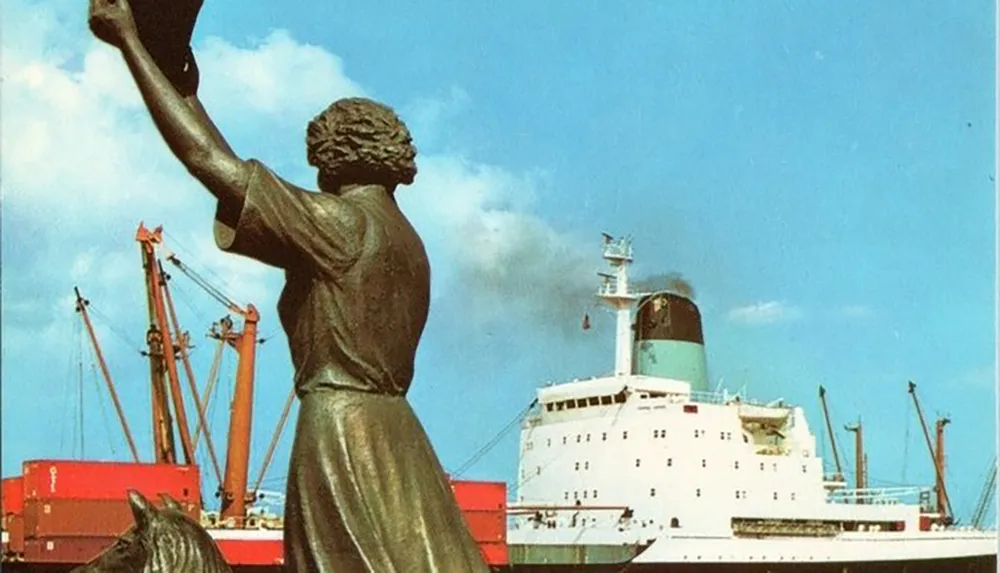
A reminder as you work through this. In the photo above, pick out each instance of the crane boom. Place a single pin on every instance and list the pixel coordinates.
(985, 496)
(81, 307)
(938, 470)
(829, 429)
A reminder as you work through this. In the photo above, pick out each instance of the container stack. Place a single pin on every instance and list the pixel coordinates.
(484, 506)
(12, 517)
(74, 510)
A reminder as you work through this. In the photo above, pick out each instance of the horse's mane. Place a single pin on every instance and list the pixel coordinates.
(161, 540)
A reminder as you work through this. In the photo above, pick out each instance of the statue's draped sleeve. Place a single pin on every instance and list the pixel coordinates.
(284, 226)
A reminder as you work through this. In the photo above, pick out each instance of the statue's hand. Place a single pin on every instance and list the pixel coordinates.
(111, 20)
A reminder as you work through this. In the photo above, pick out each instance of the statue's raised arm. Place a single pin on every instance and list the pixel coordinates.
(170, 94)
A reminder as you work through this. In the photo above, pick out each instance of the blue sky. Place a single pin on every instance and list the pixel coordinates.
(821, 174)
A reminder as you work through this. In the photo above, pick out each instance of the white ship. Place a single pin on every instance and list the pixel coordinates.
(649, 470)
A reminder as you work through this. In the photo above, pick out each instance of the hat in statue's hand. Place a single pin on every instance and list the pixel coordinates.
(165, 28)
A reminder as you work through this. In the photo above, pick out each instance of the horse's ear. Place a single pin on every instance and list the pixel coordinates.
(142, 510)
(170, 502)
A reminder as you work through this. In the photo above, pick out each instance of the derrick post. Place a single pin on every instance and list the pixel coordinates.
(942, 503)
(859, 460)
(234, 490)
(148, 239)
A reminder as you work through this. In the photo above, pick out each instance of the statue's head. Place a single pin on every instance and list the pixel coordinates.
(359, 141)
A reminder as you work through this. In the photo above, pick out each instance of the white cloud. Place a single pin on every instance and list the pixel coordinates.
(765, 313)
(83, 165)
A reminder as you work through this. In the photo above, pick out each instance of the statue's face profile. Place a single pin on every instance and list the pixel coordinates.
(360, 141)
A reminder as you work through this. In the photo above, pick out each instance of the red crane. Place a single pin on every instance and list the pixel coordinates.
(161, 355)
(235, 496)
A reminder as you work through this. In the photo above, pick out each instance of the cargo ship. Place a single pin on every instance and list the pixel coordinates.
(647, 469)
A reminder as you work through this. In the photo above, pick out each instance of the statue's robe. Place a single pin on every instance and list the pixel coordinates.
(365, 490)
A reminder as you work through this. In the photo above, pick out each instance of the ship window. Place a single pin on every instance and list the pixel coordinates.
(604, 436)
(586, 465)
(736, 465)
(548, 407)
(570, 404)
(538, 470)
(595, 494)
(584, 494)
(793, 496)
(560, 406)
(746, 440)
(729, 435)
(581, 403)
(697, 492)
(722, 435)
(670, 462)
(703, 462)
(674, 522)
(690, 409)
(576, 495)
(656, 433)
(620, 398)
(804, 469)
(663, 433)
(774, 467)
(588, 437)
(566, 495)
(737, 494)
(762, 466)
(548, 443)
(593, 401)
(605, 400)
(637, 462)
(625, 435)
(564, 440)
(775, 496)
(697, 433)
(578, 438)
(652, 492)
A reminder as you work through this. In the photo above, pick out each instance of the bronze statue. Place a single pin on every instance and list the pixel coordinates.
(365, 490)
(161, 540)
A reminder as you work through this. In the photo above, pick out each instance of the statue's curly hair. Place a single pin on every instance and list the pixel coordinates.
(361, 141)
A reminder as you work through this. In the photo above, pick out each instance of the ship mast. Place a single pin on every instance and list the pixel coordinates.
(860, 459)
(615, 293)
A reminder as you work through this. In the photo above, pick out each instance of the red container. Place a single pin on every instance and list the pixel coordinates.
(487, 526)
(63, 479)
(12, 496)
(480, 495)
(81, 517)
(73, 550)
(260, 552)
(15, 533)
(494, 553)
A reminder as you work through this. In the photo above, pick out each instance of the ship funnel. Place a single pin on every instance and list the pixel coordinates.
(668, 340)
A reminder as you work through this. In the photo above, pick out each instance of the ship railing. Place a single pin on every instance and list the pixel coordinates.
(710, 397)
(875, 496)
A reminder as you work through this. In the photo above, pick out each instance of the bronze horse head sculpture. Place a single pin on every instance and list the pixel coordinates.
(161, 541)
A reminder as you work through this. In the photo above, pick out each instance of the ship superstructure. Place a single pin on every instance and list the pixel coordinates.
(648, 465)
